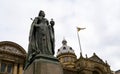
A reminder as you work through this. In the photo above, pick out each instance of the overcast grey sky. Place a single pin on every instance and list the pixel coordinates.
(100, 17)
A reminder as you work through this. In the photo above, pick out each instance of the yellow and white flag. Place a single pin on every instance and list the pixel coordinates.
(78, 29)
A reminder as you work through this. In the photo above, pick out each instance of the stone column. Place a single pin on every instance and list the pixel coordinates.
(0, 64)
(15, 68)
(21, 69)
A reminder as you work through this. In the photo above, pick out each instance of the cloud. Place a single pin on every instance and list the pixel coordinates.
(101, 19)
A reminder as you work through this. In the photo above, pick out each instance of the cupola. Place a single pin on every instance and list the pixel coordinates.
(66, 55)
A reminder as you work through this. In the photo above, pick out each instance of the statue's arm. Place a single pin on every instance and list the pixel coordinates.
(35, 20)
(38, 21)
(32, 28)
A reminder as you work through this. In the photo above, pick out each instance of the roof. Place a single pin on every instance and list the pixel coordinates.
(96, 58)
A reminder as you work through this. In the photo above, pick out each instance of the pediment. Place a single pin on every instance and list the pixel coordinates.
(96, 59)
(11, 47)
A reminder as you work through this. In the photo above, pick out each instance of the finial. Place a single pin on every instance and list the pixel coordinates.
(51, 19)
(106, 62)
(64, 42)
(63, 38)
(94, 54)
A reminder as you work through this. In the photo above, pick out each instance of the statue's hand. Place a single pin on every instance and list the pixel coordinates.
(37, 25)
(38, 20)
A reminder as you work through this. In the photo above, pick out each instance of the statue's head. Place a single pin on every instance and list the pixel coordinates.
(41, 13)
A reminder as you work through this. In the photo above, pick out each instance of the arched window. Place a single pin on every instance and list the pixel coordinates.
(70, 48)
(96, 72)
(64, 48)
(66, 59)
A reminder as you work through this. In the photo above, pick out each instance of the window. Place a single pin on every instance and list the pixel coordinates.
(9, 68)
(66, 59)
(70, 48)
(3, 67)
(6, 68)
(64, 48)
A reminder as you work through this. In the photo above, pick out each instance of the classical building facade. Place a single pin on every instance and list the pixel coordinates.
(12, 58)
(72, 65)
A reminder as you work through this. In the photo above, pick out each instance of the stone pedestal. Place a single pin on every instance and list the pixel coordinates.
(44, 65)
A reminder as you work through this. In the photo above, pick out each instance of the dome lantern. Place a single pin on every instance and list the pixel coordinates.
(64, 42)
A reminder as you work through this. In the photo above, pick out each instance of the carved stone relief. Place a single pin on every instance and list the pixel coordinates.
(10, 49)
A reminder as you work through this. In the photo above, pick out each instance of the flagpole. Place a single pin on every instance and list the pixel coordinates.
(79, 42)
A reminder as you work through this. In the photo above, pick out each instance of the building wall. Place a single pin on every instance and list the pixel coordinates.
(92, 65)
(12, 58)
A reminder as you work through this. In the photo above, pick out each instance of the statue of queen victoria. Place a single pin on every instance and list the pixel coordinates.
(41, 37)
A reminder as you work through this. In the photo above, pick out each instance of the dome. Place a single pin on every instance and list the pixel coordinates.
(65, 48)
(66, 55)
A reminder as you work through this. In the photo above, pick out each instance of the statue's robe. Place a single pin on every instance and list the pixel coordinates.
(41, 38)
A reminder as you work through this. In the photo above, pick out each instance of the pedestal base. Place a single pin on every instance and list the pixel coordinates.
(44, 66)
